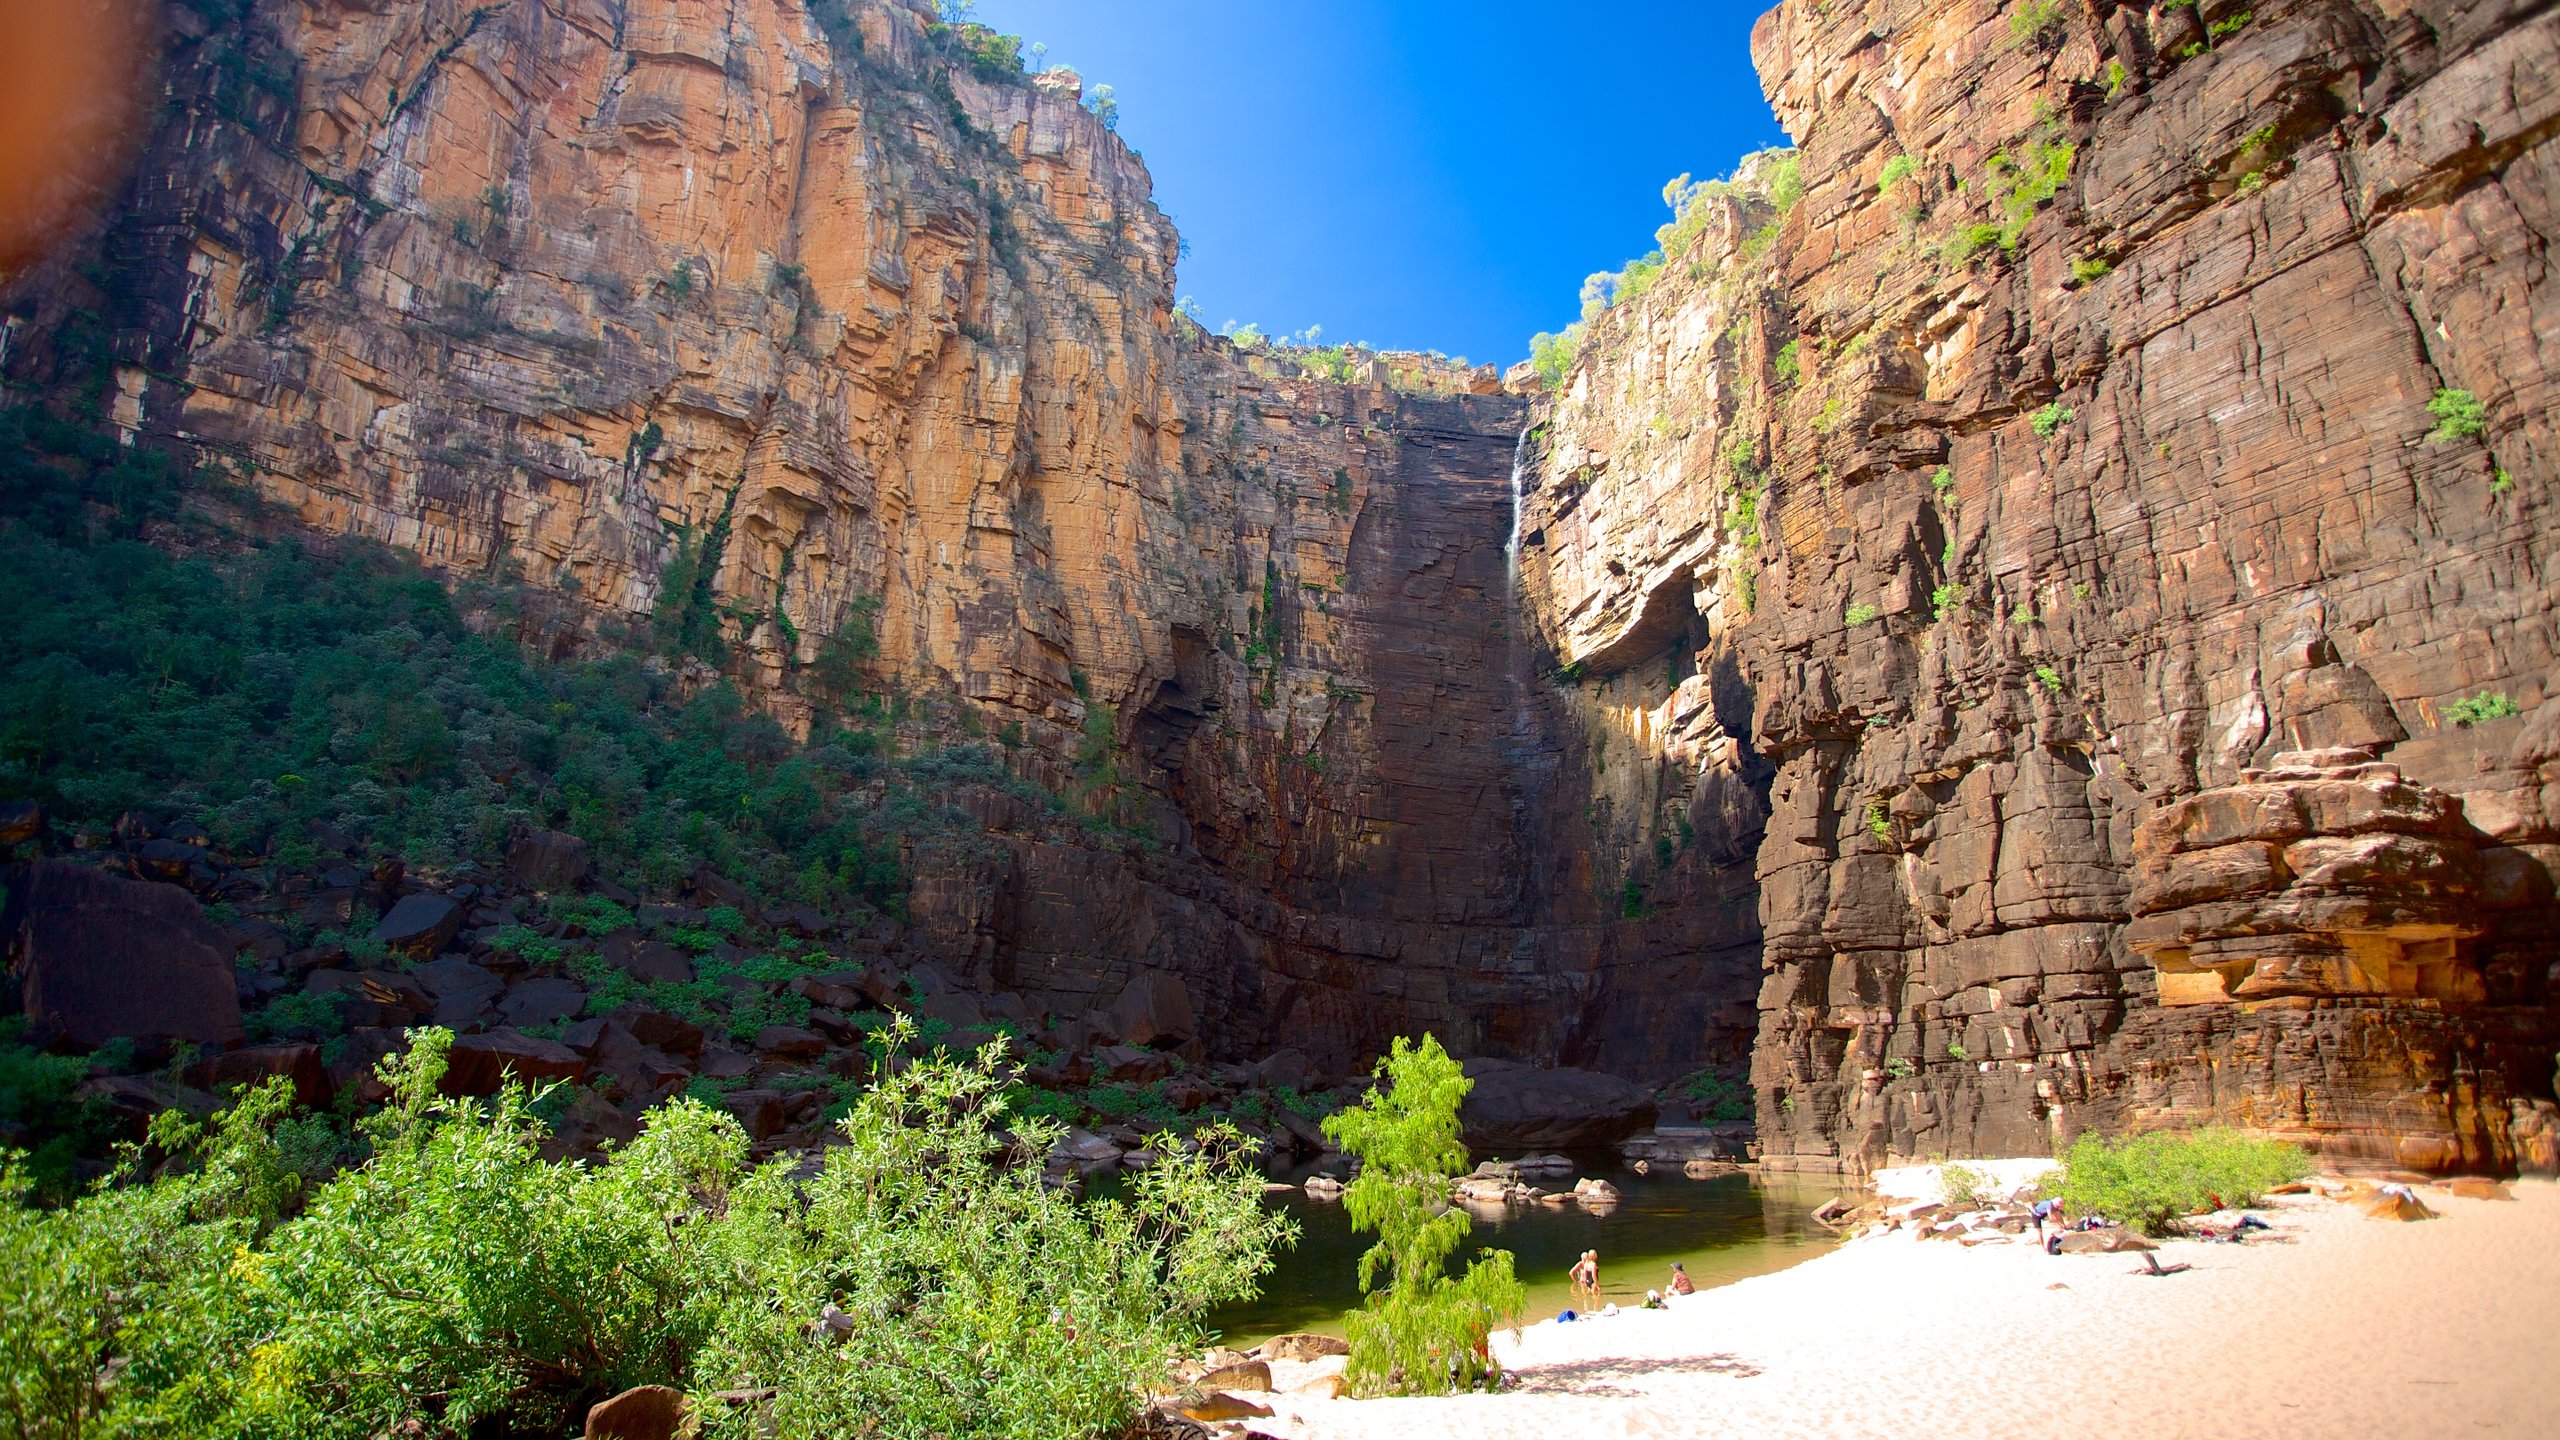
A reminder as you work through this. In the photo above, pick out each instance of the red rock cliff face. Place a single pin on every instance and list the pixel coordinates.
(787, 298)
(2155, 687)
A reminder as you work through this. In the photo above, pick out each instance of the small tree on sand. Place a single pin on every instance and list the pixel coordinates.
(1424, 1333)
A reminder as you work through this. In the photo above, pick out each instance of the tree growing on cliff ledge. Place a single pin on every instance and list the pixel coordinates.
(1424, 1333)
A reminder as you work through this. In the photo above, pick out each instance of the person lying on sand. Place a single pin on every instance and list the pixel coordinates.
(1680, 1284)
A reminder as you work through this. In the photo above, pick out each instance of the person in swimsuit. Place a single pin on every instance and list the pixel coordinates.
(1680, 1283)
(1586, 1280)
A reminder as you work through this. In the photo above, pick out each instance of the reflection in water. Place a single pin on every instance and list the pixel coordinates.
(1723, 1230)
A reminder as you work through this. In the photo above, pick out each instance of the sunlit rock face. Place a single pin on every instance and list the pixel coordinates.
(2024, 530)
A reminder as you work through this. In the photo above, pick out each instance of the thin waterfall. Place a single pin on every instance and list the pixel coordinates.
(1511, 547)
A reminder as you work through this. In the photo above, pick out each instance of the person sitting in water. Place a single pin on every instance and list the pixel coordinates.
(1680, 1284)
(1586, 1280)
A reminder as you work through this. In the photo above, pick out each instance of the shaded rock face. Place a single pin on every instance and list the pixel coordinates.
(2030, 529)
(1514, 1108)
(98, 956)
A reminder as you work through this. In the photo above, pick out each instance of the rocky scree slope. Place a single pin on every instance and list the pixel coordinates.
(2096, 545)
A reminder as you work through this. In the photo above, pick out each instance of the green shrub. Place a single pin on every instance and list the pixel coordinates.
(456, 1283)
(2087, 268)
(1879, 821)
(1788, 367)
(2487, 705)
(1423, 1333)
(2459, 416)
(1859, 614)
(258, 689)
(1896, 170)
(2151, 1182)
(1967, 1186)
(2052, 417)
(2036, 24)
(1946, 599)
(2049, 678)
(1716, 1099)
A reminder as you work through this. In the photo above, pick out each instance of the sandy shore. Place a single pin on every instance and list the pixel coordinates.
(2336, 1326)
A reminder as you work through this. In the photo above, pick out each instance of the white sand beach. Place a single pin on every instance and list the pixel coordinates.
(2335, 1325)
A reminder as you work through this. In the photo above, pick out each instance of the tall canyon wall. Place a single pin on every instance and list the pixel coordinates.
(2152, 688)
(792, 315)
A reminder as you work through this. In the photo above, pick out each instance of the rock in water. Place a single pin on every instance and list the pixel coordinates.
(103, 956)
(1521, 1107)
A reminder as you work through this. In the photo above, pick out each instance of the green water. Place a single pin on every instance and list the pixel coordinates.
(1725, 1229)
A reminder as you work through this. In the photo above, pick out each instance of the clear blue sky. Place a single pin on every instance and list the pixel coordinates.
(1415, 173)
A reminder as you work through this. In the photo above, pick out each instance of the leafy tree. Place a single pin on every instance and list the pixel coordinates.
(1424, 1333)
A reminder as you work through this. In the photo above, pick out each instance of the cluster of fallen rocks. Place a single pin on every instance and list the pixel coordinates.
(1500, 1185)
(1225, 1387)
(113, 951)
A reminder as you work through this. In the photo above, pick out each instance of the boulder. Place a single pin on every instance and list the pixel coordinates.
(760, 1111)
(101, 956)
(2395, 1202)
(256, 1063)
(1154, 1008)
(482, 1063)
(1322, 1387)
(2474, 1187)
(644, 1412)
(462, 991)
(1285, 1070)
(789, 1042)
(1217, 1405)
(1242, 1375)
(1302, 1347)
(666, 1032)
(420, 925)
(547, 860)
(1084, 1152)
(1129, 1065)
(646, 959)
(539, 1002)
(1520, 1107)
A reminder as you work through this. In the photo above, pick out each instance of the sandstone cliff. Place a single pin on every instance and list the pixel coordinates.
(2060, 457)
(778, 322)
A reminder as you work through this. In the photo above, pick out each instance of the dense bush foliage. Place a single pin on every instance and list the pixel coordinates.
(2151, 1182)
(1424, 1332)
(258, 689)
(923, 1283)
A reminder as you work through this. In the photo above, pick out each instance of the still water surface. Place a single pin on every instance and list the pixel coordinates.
(1725, 1229)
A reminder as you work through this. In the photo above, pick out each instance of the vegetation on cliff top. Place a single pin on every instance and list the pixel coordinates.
(923, 1282)
(1771, 177)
